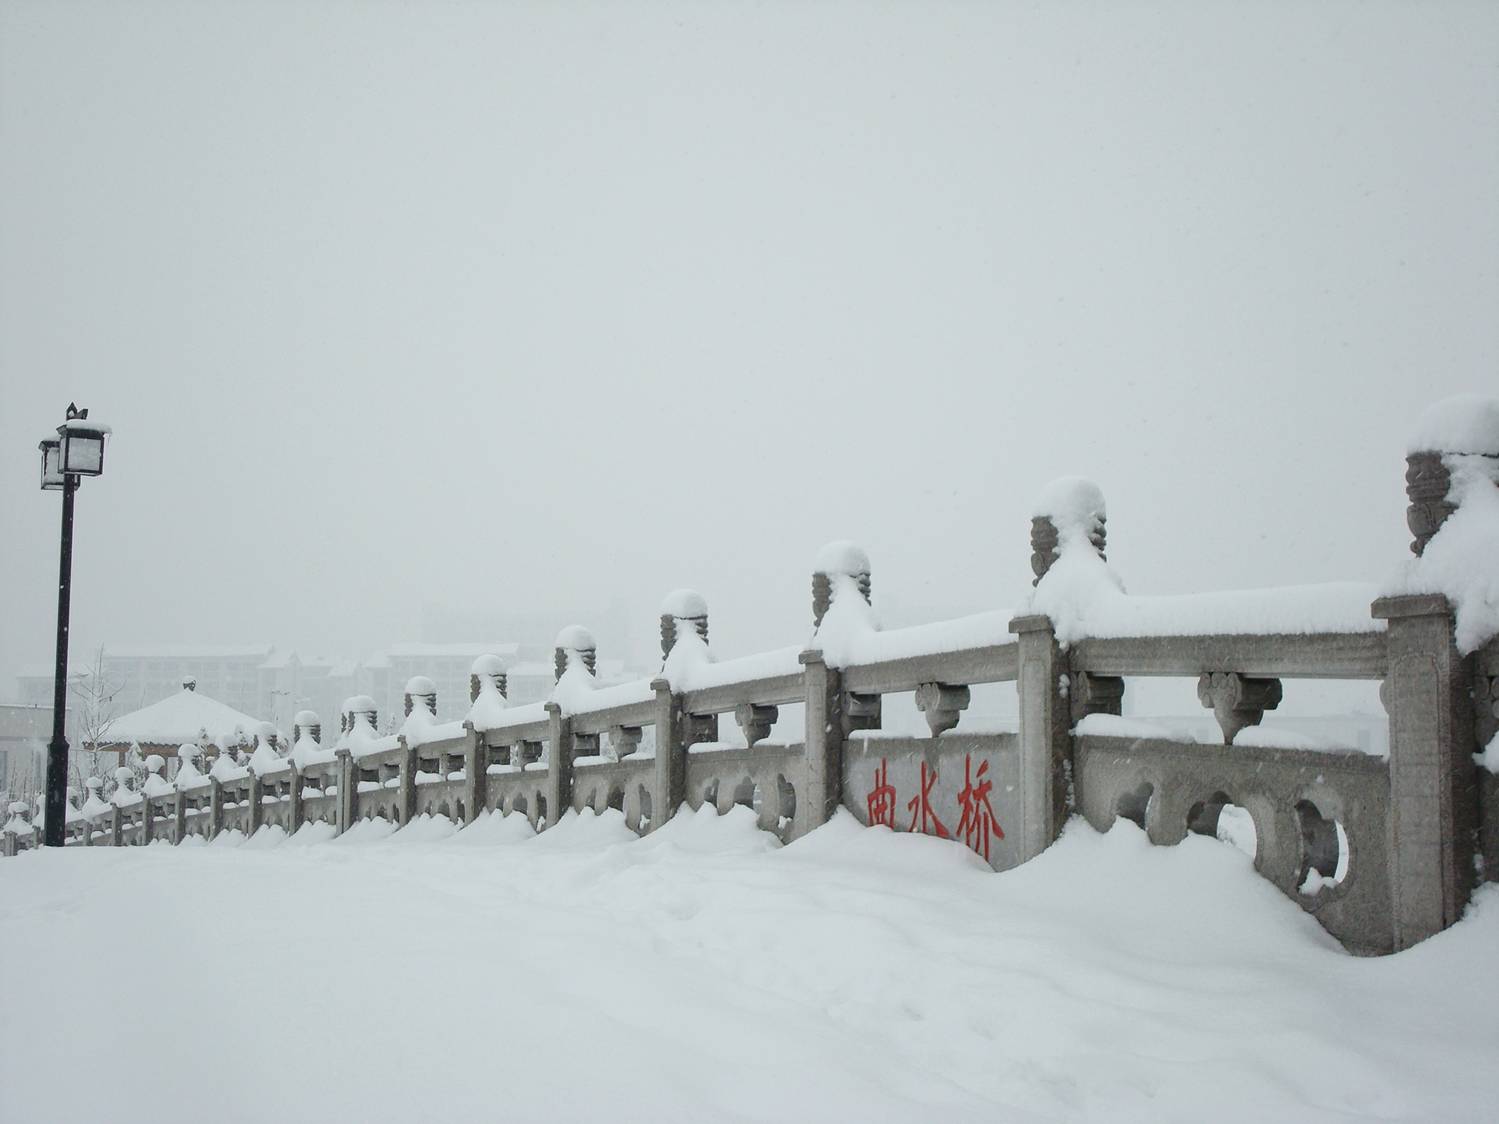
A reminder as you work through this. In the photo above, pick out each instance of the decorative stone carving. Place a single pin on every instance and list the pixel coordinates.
(421, 691)
(1045, 543)
(861, 712)
(755, 720)
(490, 669)
(1426, 484)
(1236, 700)
(699, 728)
(837, 558)
(307, 724)
(524, 753)
(574, 640)
(623, 740)
(682, 605)
(1095, 694)
(1043, 546)
(822, 594)
(941, 704)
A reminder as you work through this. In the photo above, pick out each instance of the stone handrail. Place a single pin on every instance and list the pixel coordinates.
(1380, 851)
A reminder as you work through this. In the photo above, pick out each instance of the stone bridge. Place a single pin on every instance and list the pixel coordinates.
(1383, 851)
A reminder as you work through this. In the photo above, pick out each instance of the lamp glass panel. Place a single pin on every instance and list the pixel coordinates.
(82, 453)
(51, 466)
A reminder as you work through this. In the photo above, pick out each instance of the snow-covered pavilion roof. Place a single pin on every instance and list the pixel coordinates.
(180, 718)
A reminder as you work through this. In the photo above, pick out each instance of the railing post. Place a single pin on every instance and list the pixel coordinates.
(294, 813)
(824, 743)
(146, 833)
(256, 812)
(215, 807)
(347, 779)
(1433, 778)
(669, 783)
(179, 817)
(116, 828)
(1044, 742)
(475, 774)
(406, 787)
(1486, 726)
(559, 763)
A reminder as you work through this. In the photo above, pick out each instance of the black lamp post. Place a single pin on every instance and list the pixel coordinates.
(77, 451)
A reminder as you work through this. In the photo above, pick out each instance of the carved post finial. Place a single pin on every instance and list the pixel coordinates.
(421, 691)
(682, 605)
(487, 670)
(840, 559)
(574, 643)
(1466, 425)
(1071, 511)
(307, 724)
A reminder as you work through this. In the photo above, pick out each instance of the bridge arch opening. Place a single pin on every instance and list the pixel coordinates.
(1134, 805)
(643, 823)
(787, 793)
(1325, 857)
(1218, 816)
(747, 793)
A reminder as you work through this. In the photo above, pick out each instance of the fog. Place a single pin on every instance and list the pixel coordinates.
(410, 313)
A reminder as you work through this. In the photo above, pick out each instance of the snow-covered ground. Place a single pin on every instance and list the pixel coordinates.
(705, 973)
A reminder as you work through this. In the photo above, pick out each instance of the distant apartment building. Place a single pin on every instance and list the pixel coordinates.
(25, 732)
(138, 676)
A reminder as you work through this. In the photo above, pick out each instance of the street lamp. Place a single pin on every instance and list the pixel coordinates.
(77, 451)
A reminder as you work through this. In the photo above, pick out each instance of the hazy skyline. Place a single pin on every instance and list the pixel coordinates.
(545, 309)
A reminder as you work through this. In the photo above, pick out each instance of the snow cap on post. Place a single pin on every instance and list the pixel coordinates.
(420, 688)
(686, 606)
(189, 757)
(306, 725)
(94, 784)
(1466, 426)
(838, 563)
(361, 708)
(155, 763)
(123, 777)
(575, 645)
(19, 823)
(487, 671)
(1070, 514)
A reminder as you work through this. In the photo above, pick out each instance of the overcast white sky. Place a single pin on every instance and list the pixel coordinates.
(564, 306)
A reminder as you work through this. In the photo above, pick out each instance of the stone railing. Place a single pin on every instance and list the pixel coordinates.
(1380, 850)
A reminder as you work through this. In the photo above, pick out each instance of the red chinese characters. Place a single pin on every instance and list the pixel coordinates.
(881, 801)
(920, 805)
(978, 826)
